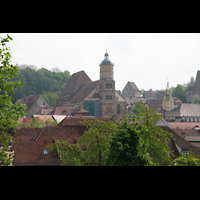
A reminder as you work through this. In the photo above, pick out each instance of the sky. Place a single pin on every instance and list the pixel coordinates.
(147, 59)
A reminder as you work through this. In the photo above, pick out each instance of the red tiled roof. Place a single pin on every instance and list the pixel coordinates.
(28, 100)
(75, 121)
(64, 110)
(24, 120)
(28, 144)
(184, 125)
(181, 142)
(44, 117)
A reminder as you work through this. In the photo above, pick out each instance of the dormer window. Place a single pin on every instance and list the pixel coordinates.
(185, 151)
(45, 152)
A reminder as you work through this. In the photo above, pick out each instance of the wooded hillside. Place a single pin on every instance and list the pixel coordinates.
(42, 81)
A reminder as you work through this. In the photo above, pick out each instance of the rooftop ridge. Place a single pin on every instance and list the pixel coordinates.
(180, 137)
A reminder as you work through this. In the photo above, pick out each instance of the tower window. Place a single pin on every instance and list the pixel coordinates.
(108, 85)
(108, 97)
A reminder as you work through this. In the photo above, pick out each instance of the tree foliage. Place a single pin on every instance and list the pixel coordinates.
(42, 81)
(96, 140)
(179, 92)
(129, 143)
(38, 123)
(9, 112)
(124, 147)
(153, 139)
(186, 160)
(197, 101)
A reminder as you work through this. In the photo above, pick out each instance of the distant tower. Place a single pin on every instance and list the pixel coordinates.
(106, 87)
(168, 101)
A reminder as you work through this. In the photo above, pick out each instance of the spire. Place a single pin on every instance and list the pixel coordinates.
(106, 60)
(167, 83)
(106, 56)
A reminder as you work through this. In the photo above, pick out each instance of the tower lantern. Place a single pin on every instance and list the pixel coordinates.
(168, 101)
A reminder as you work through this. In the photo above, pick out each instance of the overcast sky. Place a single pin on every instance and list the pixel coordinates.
(147, 59)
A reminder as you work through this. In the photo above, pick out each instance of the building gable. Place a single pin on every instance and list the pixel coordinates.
(77, 79)
(180, 142)
(197, 83)
(118, 97)
(84, 92)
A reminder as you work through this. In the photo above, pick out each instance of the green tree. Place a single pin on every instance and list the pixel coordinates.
(42, 81)
(9, 112)
(187, 160)
(191, 83)
(96, 140)
(124, 147)
(179, 92)
(153, 139)
(197, 101)
(50, 98)
(142, 92)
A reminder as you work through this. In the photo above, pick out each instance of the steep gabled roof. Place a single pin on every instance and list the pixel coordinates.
(197, 83)
(75, 121)
(132, 84)
(83, 92)
(28, 100)
(77, 79)
(181, 142)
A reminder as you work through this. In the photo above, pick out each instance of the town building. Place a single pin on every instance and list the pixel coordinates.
(131, 90)
(173, 110)
(193, 92)
(34, 103)
(98, 97)
(168, 101)
(30, 144)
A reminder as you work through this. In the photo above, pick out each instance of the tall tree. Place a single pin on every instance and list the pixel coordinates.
(9, 112)
(124, 147)
(153, 139)
(97, 141)
(191, 83)
(179, 92)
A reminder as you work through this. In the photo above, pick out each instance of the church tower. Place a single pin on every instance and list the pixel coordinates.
(106, 87)
(168, 101)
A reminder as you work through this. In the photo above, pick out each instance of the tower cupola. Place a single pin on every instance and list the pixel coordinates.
(106, 60)
(168, 101)
(106, 68)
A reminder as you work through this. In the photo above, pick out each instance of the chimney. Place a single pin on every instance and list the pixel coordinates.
(79, 108)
